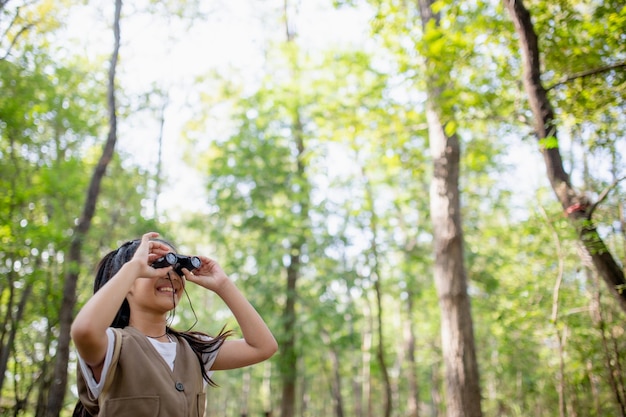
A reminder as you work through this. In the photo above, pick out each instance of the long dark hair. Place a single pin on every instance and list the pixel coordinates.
(201, 343)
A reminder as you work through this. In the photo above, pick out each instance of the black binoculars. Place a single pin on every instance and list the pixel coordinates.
(178, 262)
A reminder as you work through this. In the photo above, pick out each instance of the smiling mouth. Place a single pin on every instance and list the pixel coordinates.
(169, 290)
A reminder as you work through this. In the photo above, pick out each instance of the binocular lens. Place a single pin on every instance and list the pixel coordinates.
(170, 258)
(195, 262)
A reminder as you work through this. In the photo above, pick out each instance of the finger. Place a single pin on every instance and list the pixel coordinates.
(206, 262)
(144, 245)
(159, 272)
(154, 256)
(189, 276)
(147, 236)
(159, 247)
(159, 251)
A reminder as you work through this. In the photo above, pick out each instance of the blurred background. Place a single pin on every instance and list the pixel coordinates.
(423, 199)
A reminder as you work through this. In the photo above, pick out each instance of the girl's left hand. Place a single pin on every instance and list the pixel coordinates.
(209, 275)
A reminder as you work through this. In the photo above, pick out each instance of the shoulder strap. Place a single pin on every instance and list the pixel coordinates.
(114, 360)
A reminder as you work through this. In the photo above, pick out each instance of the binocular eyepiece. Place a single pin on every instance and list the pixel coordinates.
(178, 262)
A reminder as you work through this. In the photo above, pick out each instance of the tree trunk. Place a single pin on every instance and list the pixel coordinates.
(288, 355)
(413, 400)
(577, 207)
(457, 333)
(45, 373)
(335, 375)
(158, 174)
(245, 393)
(462, 384)
(289, 363)
(435, 392)
(6, 326)
(266, 390)
(376, 275)
(15, 317)
(59, 381)
(366, 374)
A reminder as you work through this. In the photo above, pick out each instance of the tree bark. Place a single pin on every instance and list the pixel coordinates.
(59, 381)
(376, 276)
(14, 321)
(366, 366)
(288, 350)
(457, 334)
(576, 205)
(334, 375)
(462, 383)
(289, 363)
(413, 400)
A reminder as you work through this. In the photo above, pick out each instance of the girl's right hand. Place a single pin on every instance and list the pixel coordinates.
(147, 252)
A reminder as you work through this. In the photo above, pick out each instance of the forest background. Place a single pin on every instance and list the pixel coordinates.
(364, 170)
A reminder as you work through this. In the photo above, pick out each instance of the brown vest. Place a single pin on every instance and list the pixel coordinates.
(144, 385)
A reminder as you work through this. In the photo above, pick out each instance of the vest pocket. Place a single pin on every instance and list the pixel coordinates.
(131, 407)
(201, 402)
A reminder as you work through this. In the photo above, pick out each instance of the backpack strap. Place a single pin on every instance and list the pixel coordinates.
(117, 347)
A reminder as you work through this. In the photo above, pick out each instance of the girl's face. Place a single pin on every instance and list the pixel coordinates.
(158, 295)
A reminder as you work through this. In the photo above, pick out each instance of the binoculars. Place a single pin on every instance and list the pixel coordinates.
(178, 262)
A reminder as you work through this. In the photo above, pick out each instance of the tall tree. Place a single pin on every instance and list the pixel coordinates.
(289, 364)
(463, 393)
(576, 204)
(45, 127)
(59, 384)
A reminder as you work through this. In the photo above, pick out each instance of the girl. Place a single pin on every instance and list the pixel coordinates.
(131, 363)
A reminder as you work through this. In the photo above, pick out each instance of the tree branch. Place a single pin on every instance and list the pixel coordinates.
(14, 40)
(13, 22)
(588, 73)
(604, 194)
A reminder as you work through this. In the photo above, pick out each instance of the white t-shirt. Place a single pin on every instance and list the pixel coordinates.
(166, 349)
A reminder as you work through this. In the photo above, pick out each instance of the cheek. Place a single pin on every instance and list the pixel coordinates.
(140, 286)
(180, 293)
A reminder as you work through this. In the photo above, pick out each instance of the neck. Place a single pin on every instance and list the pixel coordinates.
(155, 329)
(165, 337)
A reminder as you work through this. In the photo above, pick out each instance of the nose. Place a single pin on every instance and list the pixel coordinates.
(173, 276)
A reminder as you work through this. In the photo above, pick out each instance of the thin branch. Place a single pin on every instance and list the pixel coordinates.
(15, 18)
(588, 73)
(14, 40)
(603, 195)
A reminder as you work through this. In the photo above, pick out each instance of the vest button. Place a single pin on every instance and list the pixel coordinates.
(180, 386)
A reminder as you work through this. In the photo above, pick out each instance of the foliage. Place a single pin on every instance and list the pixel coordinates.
(360, 210)
(52, 117)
